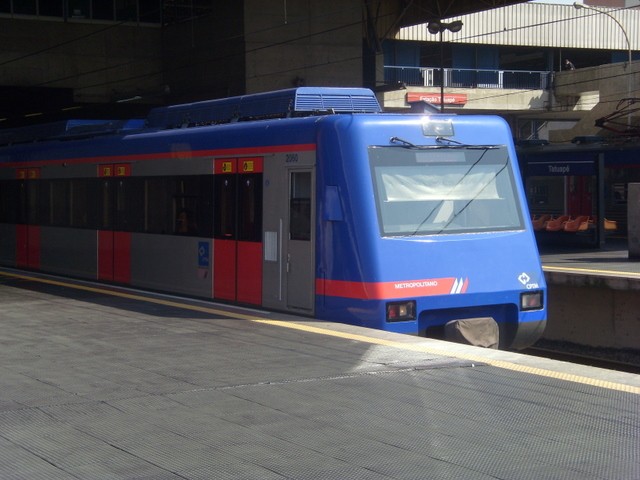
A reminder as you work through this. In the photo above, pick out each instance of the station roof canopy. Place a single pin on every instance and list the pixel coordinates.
(414, 12)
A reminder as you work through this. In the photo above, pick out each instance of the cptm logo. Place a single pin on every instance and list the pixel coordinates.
(524, 279)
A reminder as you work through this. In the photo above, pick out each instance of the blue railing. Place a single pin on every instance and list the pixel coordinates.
(467, 78)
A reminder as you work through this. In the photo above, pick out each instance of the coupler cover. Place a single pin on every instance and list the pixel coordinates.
(480, 332)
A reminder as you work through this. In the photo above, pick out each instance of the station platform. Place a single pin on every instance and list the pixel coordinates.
(610, 261)
(106, 383)
(593, 297)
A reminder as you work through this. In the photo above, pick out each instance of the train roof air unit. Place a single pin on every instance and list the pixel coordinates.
(303, 101)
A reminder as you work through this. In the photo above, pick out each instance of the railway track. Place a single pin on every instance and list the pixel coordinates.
(607, 358)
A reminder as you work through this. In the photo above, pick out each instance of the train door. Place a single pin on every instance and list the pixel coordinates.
(28, 219)
(299, 270)
(289, 234)
(237, 245)
(114, 239)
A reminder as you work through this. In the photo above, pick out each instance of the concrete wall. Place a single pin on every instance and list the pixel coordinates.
(203, 58)
(303, 42)
(100, 62)
(241, 47)
(608, 83)
(593, 311)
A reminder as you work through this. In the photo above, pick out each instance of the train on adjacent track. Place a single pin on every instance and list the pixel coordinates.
(309, 200)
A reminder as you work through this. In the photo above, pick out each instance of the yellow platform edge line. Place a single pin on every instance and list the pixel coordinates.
(349, 336)
(129, 296)
(617, 273)
(464, 356)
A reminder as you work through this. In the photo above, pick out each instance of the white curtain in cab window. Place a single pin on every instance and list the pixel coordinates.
(441, 183)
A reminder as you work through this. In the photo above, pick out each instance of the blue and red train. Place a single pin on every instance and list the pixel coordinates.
(307, 200)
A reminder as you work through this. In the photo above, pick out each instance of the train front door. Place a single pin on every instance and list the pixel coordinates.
(289, 233)
(299, 245)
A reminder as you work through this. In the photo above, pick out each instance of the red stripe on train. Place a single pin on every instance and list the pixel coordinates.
(387, 290)
(164, 155)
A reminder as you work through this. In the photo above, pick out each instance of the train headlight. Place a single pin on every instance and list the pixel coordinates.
(532, 300)
(401, 311)
(437, 127)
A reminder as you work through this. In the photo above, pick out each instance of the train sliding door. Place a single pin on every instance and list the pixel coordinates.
(237, 245)
(114, 233)
(28, 221)
(289, 234)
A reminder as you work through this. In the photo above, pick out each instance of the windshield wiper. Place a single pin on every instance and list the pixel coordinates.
(454, 143)
(450, 141)
(403, 141)
(408, 144)
(444, 142)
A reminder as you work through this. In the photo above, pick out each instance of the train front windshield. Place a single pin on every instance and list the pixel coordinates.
(429, 191)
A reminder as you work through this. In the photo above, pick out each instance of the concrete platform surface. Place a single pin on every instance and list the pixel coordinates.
(99, 383)
(610, 261)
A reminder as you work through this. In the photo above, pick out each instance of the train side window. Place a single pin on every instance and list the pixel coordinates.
(300, 206)
(126, 11)
(204, 214)
(79, 9)
(47, 8)
(36, 202)
(105, 204)
(25, 7)
(129, 203)
(250, 208)
(9, 201)
(120, 221)
(158, 210)
(225, 207)
(103, 11)
(192, 205)
(171, 205)
(58, 211)
(5, 197)
(186, 218)
(150, 11)
(23, 203)
(84, 203)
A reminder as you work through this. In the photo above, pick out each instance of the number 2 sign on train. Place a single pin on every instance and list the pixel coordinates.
(309, 200)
